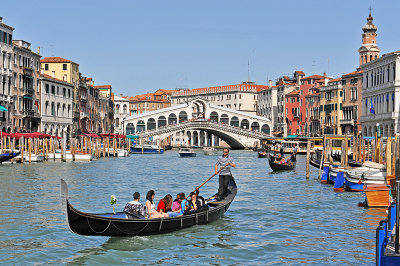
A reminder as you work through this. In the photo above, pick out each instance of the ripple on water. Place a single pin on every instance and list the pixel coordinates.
(276, 217)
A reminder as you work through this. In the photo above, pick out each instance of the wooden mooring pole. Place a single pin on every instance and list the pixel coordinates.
(308, 159)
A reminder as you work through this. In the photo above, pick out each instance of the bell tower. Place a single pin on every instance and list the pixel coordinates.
(369, 50)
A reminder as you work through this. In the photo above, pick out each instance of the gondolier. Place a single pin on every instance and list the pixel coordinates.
(225, 175)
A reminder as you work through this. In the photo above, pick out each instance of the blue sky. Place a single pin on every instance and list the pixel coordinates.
(142, 46)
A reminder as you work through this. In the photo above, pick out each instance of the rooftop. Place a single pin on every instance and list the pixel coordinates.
(55, 60)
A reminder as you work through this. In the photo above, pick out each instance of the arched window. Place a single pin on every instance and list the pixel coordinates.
(125, 109)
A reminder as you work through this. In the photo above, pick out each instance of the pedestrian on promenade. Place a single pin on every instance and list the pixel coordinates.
(225, 175)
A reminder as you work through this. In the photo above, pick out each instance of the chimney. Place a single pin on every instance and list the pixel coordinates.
(324, 74)
(270, 83)
(53, 74)
(38, 50)
(1, 19)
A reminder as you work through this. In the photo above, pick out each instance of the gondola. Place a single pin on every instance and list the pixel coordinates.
(315, 162)
(262, 154)
(8, 156)
(275, 166)
(108, 224)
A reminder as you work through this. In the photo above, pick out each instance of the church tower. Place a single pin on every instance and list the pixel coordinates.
(369, 50)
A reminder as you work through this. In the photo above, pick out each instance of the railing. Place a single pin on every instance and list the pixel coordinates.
(205, 125)
(29, 91)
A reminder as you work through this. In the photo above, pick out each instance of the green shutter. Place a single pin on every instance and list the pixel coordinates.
(341, 106)
(341, 93)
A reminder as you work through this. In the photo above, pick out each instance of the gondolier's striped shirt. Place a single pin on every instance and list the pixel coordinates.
(222, 161)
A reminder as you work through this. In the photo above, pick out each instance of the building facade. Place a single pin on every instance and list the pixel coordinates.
(65, 70)
(352, 102)
(292, 112)
(121, 111)
(56, 105)
(26, 89)
(150, 101)
(241, 97)
(331, 99)
(380, 95)
(106, 106)
(7, 78)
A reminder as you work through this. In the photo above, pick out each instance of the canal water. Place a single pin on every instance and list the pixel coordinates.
(276, 217)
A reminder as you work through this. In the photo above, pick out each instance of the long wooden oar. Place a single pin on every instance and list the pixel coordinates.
(197, 188)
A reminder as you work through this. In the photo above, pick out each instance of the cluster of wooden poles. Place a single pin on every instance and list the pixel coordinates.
(48, 147)
(363, 149)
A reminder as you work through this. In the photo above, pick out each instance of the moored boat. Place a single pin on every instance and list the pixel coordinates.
(109, 224)
(8, 156)
(368, 174)
(146, 149)
(186, 152)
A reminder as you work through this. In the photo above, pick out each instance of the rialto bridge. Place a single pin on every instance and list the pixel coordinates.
(199, 123)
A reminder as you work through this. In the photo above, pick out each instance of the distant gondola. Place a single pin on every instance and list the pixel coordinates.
(262, 154)
(275, 166)
(8, 156)
(108, 224)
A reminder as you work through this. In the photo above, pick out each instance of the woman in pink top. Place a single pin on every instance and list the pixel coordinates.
(176, 207)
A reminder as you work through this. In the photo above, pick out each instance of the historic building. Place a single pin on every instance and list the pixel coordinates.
(331, 98)
(26, 89)
(106, 108)
(7, 78)
(65, 70)
(380, 95)
(56, 105)
(369, 50)
(292, 112)
(352, 100)
(240, 97)
(150, 101)
(121, 111)
(284, 86)
(310, 104)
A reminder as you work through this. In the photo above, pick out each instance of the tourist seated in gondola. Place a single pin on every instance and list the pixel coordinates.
(200, 198)
(151, 207)
(134, 209)
(183, 202)
(176, 207)
(164, 205)
(192, 204)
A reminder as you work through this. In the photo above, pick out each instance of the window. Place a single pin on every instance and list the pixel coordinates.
(53, 89)
(64, 66)
(64, 92)
(47, 88)
(46, 66)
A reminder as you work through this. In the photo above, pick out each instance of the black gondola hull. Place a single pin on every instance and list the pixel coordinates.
(280, 167)
(107, 225)
(8, 156)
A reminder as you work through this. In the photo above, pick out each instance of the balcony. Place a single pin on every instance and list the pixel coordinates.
(28, 91)
(347, 122)
(5, 98)
(315, 118)
(28, 71)
(28, 113)
(83, 97)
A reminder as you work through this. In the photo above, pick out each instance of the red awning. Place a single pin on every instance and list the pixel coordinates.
(4, 134)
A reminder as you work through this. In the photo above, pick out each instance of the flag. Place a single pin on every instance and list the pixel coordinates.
(372, 108)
